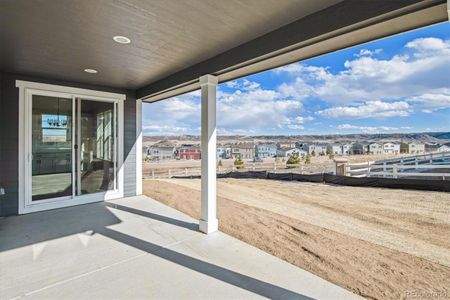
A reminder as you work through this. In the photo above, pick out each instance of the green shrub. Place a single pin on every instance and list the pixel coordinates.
(307, 159)
(294, 159)
(239, 163)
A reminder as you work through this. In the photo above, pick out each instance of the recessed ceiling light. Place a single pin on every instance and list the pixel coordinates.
(121, 39)
(90, 71)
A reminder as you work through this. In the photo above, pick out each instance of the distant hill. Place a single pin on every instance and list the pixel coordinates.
(422, 137)
(441, 135)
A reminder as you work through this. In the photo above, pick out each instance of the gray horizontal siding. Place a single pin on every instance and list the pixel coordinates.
(9, 112)
(129, 148)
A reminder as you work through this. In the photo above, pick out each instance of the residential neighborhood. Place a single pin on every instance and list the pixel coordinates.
(165, 149)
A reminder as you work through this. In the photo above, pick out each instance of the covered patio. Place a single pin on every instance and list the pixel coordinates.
(135, 248)
(73, 77)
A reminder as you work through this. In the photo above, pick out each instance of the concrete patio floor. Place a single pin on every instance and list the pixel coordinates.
(135, 248)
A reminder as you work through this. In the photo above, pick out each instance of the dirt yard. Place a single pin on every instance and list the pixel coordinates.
(378, 243)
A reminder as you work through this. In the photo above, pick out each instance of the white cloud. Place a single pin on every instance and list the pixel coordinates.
(255, 109)
(164, 129)
(231, 84)
(239, 112)
(295, 127)
(366, 129)
(367, 52)
(299, 90)
(430, 102)
(423, 69)
(177, 115)
(368, 87)
(426, 46)
(243, 84)
(301, 120)
(250, 85)
(372, 109)
(292, 68)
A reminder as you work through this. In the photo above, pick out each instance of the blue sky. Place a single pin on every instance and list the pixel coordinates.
(397, 84)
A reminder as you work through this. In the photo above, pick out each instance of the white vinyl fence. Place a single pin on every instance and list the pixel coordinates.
(427, 165)
(275, 168)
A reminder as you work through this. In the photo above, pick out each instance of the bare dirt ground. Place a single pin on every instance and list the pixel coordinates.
(378, 243)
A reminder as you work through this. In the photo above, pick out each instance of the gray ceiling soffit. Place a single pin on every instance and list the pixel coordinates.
(60, 38)
(349, 14)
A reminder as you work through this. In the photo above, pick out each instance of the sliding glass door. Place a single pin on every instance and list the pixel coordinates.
(73, 145)
(96, 151)
(51, 147)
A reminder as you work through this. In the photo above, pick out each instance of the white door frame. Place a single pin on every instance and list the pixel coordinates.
(26, 90)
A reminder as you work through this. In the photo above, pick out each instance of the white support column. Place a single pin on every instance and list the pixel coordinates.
(208, 217)
(448, 9)
(138, 147)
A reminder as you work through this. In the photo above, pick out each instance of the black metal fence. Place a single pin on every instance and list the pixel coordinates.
(393, 183)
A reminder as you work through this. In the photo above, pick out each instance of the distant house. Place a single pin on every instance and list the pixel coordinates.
(266, 150)
(443, 148)
(334, 149)
(431, 147)
(288, 151)
(161, 150)
(412, 148)
(346, 148)
(321, 149)
(286, 144)
(189, 152)
(317, 149)
(404, 147)
(246, 150)
(359, 148)
(376, 148)
(416, 148)
(299, 145)
(301, 153)
(391, 148)
(235, 152)
(223, 152)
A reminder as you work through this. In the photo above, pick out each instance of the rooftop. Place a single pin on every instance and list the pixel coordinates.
(246, 145)
(164, 143)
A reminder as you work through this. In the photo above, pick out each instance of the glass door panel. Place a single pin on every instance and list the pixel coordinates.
(96, 146)
(51, 143)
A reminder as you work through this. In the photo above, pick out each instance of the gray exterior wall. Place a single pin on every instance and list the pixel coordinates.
(129, 182)
(9, 138)
(9, 146)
